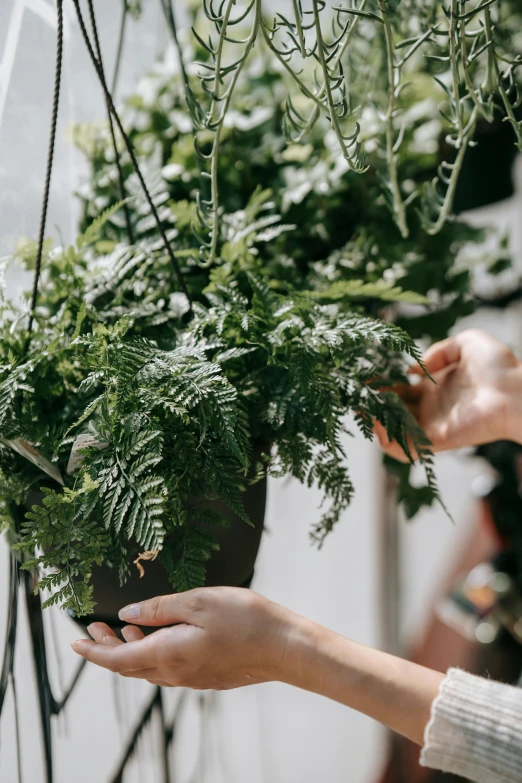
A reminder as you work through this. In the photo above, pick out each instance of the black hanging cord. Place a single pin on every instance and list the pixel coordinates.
(17, 727)
(171, 21)
(121, 40)
(130, 232)
(7, 666)
(101, 77)
(50, 161)
(168, 12)
(154, 705)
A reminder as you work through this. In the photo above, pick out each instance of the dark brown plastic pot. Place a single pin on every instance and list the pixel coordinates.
(232, 565)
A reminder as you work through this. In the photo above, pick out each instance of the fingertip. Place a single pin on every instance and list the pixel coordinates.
(440, 355)
(130, 614)
(102, 633)
(132, 634)
(157, 611)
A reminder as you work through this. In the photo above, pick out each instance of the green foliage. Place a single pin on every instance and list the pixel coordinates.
(358, 289)
(354, 66)
(13, 379)
(93, 231)
(336, 227)
(63, 526)
(295, 266)
(195, 547)
(173, 418)
(135, 7)
(412, 497)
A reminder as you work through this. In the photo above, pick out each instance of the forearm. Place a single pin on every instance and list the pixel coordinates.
(394, 692)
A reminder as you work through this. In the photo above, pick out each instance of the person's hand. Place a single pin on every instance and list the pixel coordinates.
(226, 637)
(219, 638)
(477, 397)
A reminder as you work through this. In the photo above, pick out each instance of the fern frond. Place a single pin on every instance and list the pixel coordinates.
(91, 235)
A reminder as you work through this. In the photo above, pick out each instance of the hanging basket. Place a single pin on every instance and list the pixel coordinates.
(232, 564)
(237, 544)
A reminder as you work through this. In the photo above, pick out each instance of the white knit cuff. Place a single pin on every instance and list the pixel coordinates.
(475, 730)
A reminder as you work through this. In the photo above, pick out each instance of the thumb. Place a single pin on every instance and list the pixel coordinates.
(391, 448)
(160, 611)
(440, 356)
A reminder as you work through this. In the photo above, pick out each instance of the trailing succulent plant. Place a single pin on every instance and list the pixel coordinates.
(141, 384)
(345, 230)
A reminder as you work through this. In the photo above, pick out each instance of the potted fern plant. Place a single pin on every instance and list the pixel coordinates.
(217, 331)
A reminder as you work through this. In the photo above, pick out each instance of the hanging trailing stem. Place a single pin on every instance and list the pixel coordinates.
(392, 145)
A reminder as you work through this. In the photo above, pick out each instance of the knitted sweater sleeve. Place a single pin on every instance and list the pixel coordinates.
(475, 730)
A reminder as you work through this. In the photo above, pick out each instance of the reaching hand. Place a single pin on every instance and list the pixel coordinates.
(226, 637)
(218, 638)
(477, 397)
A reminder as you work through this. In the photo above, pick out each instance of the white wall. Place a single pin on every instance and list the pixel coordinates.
(431, 542)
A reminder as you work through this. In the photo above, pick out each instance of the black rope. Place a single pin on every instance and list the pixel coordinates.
(101, 77)
(50, 161)
(164, 739)
(132, 744)
(46, 700)
(7, 667)
(17, 728)
(123, 195)
(171, 21)
(168, 11)
(121, 40)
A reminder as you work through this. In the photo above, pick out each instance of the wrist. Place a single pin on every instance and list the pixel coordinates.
(300, 652)
(281, 635)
